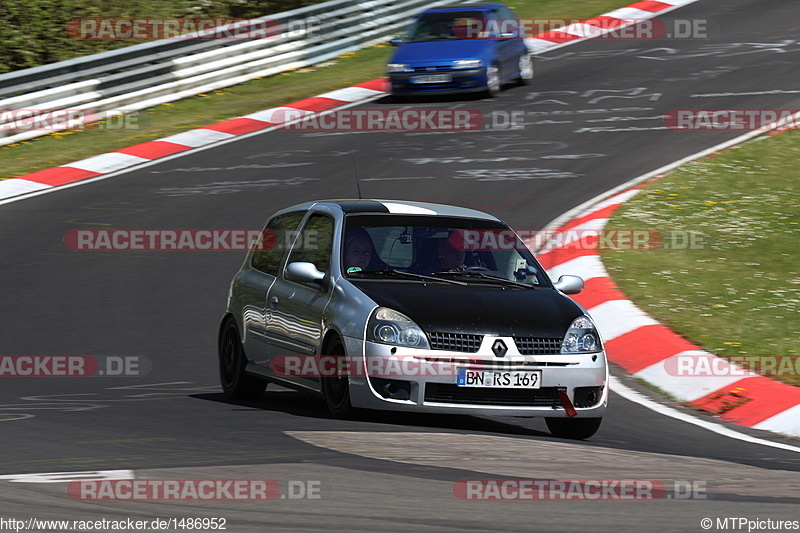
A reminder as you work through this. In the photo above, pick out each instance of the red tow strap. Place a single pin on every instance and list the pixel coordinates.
(571, 412)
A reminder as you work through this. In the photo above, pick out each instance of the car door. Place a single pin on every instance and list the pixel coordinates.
(256, 280)
(508, 41)
(295, 314)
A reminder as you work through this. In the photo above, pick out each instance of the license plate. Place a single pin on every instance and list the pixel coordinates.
(432, 78)
(530, 379)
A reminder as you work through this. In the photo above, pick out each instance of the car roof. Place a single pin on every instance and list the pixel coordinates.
(397, 207)
(480, 7)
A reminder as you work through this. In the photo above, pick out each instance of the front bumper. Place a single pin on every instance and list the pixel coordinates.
(463, 81)
(431, 381)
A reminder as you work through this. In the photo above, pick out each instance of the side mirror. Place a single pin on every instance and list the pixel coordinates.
(395, 41)
(569, 284)
(303, 272)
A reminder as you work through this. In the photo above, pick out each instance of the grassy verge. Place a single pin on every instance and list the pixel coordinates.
(168, 119)
(736, 292)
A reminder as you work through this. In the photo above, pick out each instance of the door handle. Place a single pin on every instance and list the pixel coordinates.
(273, 301)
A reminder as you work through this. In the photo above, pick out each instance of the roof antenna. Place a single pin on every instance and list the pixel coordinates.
(355, 171)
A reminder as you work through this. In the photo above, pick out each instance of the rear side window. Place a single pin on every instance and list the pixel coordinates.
(276, 237)
(506, 13)
(509, 24)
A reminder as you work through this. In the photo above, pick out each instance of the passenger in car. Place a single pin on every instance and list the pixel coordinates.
(434, 29)
(359, 250)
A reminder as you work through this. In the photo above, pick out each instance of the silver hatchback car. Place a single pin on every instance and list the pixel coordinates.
(411, 306)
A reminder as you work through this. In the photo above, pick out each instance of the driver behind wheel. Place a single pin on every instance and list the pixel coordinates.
(450, 258)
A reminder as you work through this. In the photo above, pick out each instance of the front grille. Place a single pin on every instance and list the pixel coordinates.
(450, 393)
(434, 87)
(456, 342)
(538, 345)
(437, 68)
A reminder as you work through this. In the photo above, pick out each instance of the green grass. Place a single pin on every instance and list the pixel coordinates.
(36, 32)
(196, 112)
(738, 293)
(168, 119)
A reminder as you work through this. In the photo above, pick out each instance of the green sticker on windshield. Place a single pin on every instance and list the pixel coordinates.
(353, 270)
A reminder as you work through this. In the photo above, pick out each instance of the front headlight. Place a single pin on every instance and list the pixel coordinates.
(398, 67)
(467, 63)
(388, 326)
(581, 337)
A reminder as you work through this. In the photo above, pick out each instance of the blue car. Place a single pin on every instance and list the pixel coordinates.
(460, 49)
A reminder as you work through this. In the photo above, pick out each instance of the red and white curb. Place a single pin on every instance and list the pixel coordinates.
(607, 23)
(146, 152)
(647, 350)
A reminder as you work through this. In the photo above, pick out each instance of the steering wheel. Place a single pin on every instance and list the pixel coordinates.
(477, 269)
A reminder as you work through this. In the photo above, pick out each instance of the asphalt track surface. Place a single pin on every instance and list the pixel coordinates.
(392, 471)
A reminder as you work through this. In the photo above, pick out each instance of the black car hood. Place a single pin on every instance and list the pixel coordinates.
(477, 308)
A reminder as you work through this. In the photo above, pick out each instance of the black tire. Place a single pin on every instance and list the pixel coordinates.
(336, 390)
(573, 428)
(493, 84)
(525, 69)
(236, 383)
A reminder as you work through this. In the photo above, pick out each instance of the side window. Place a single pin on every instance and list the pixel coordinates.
(493, 23)
(274, 240)
(314, 243)
(506, 13)
(508, 21)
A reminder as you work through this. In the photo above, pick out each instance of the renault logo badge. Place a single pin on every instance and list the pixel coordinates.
(499, 348)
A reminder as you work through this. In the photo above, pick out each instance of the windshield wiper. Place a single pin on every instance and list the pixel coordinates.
(409, 275)
(485, 276)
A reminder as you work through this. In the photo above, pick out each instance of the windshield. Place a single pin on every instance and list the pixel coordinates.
(444, 26)
(468, 250)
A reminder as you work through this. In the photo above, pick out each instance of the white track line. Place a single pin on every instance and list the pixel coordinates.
(637, 397)
(616, 385)
(579, 210)
(160, 160)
